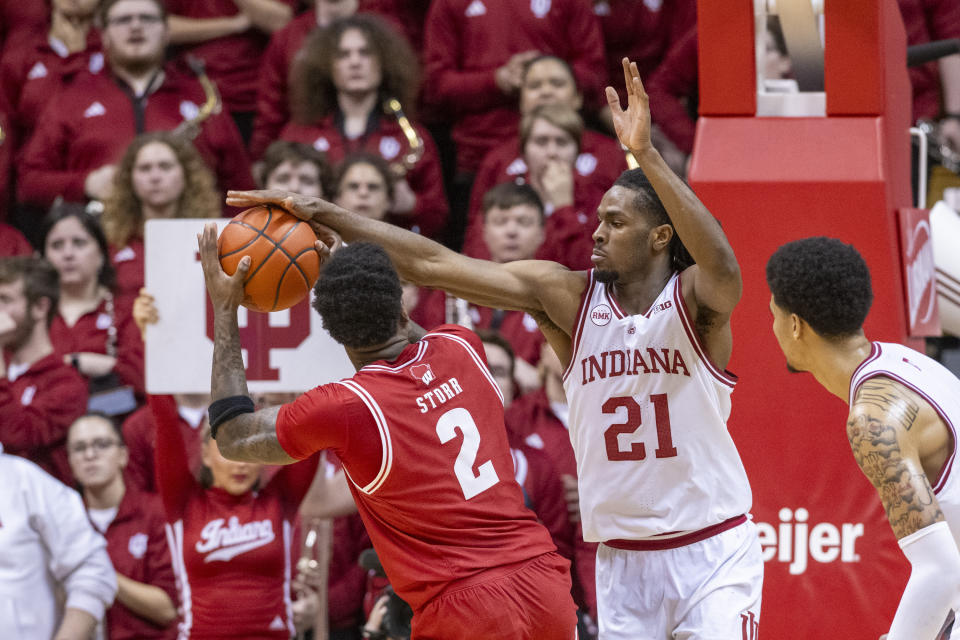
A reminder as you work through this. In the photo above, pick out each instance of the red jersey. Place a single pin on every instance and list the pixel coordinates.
(37, 408)
(226, 548)
(140, 436)
(423, 443)
(385, 138)
(230, 61)
(35, 70)
(137, 545)
(12, 242)
(90, 123)
(91, 332)
(467, 40)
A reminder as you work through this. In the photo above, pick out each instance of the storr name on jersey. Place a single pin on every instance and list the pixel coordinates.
(225, 543)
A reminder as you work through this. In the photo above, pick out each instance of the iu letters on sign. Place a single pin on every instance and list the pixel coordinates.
(283, 351)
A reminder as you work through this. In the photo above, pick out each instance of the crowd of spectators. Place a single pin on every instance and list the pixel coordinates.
(481, 123)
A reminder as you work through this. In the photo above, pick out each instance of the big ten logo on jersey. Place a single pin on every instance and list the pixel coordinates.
(260, 333)
(795, 540)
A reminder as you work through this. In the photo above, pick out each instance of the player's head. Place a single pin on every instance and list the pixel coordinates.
(819, 284)
(513, 222)
(296, 167)
(160, 174)
(358, 296)
(500, 361)
(96, 451)
(635, 230)
(29, 294)
(134, 33)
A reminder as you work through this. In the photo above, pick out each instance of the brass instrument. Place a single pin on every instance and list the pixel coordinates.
(631, 161)
(3, 135)
(190, 129)
(939, 149)
(457, 311)
(414, 142)
(313, 567)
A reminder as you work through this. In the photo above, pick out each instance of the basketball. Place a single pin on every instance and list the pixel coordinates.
(284, 264)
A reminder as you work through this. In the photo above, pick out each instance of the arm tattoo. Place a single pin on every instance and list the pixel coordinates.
(251, 437)
(229, 378)
(890, 400)
(906, 494)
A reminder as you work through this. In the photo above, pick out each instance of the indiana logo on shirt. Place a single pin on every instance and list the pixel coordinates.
(137, 545)
(225, 543)
(540, 8)
(423, 373)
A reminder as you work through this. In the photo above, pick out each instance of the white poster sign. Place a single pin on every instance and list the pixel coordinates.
(283, 351)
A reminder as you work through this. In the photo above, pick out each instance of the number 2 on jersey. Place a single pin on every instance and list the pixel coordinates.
(638, 450)
(486, 476)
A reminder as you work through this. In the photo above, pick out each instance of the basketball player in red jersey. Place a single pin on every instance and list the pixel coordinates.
(645, 338)
(419, 430)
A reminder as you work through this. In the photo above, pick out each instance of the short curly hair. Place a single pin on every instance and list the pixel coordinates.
(359, 296)
(824, 281)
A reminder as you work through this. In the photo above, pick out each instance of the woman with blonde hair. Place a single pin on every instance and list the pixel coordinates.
(161, 175)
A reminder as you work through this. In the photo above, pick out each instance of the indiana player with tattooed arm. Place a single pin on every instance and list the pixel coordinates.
(419, 430)
(904, 412)
(644, 338)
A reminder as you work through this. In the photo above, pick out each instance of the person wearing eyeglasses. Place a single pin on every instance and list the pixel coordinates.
(89, 123)
(132, 523)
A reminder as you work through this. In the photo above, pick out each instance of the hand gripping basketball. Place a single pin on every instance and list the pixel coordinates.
(283, 253)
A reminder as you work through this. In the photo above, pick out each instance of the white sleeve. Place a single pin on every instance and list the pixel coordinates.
(934, 585)
(77, 554)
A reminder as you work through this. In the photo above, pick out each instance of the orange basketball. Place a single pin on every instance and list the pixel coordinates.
(284, 266)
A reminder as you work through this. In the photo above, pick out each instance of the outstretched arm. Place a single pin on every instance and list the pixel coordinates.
(529, 285)
(717, 283)
(878, 428)
(250, 437)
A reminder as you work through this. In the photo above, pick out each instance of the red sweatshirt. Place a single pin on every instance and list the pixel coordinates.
(230, 553)
(90, 123)
(231, 61)
(129, 267)
(12, 242)
(642, 31)
(347, 579)
(672, 85)
(37, 409)
(90, 333)
(21, 20)
(924, 21)
(273, 94)
(6, 156)
(467, 40)
(385, 137)
(137, 544)
(35, 70)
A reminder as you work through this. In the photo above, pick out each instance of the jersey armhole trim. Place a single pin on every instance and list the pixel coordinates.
(724, 377)
(944, 473)
(578, 325)
(386, 460)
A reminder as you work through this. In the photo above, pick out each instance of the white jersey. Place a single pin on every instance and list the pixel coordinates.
(648, 415)
(941, 389)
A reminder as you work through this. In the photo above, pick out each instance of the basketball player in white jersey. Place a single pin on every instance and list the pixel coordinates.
(645, 338)
(904, 412)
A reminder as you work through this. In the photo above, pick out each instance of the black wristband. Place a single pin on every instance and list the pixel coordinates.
(226, 409)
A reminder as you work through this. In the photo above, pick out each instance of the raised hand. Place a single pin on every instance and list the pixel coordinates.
(226, 292)
(304, 207)
(633, 125)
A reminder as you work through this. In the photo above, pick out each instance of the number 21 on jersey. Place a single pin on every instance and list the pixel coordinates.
(638, 450)
(472, 485)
